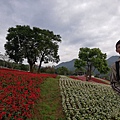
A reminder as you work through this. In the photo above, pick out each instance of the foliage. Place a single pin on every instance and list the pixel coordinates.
(31, 44)
(18, 66)
(48, 69)
(47, 46)
(62, 70)
(91, 59)
(89, 101)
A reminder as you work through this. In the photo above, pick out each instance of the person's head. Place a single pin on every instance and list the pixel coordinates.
(118, 47)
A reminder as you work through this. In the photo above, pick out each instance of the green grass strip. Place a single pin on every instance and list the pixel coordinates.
(49, 106)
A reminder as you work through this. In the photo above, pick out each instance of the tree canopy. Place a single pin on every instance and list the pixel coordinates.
(62, 70)
(28, 43)
(91, 59)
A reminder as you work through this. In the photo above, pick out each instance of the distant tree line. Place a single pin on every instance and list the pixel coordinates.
(47, 69)
(13, 65)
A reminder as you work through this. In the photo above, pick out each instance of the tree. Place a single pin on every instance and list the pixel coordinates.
(47, 46)
(21, 44)
(89, 59)
(31, 44)
(48, 69)
(62, 70)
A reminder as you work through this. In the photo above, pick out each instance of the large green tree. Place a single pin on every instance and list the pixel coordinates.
(47, 46)
(31, 44)
(89, 59)
(21, 45)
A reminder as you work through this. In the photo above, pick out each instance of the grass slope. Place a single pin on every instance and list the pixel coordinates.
(49, 106)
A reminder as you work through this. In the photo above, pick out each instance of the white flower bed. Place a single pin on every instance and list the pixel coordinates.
(88, 101)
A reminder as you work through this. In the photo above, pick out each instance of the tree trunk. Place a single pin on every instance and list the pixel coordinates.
(87, 75)
(39, 66)
(87, 78)
(31, 63)
(90, 69)
(31, 68)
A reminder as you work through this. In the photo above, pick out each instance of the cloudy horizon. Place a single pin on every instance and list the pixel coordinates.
(82, 23)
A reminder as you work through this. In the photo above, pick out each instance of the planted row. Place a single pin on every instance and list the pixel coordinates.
(90, 101)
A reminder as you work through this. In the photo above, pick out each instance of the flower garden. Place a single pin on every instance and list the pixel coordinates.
(93, 79)
(19, 92)
(81, 100)
(88, 100)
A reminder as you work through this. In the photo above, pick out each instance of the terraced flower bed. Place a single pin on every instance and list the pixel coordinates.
(89, 101)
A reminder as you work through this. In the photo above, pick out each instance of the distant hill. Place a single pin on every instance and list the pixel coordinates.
(70, 64)
(112, 59)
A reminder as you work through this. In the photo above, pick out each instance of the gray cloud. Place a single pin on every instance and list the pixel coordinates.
(81, 23)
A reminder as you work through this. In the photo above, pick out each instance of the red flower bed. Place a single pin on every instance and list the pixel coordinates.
(83, 78)
(19, 92)
(98, 80)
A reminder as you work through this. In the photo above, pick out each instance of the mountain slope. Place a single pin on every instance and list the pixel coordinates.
(70, 64)
(112, 59)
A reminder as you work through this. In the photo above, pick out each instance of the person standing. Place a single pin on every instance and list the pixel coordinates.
(115, 72)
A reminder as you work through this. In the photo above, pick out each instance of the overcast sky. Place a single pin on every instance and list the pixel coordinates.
(80, 23)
